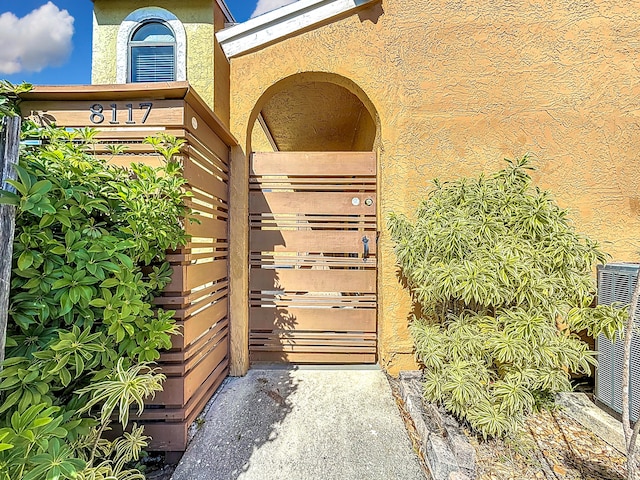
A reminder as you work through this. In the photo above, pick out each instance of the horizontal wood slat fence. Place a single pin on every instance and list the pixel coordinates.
(199, 360)
(312, 283)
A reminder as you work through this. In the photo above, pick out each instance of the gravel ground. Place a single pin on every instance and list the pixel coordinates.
(553, 447)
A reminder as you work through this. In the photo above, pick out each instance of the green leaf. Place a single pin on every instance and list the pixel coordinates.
(61, 283)
(41, 187)
(25, 260)
(41, 422)
(65, 376)
(63, 219)
(110, 266)
(11, 401)
(110, 283)
(66, 305)
(125, 259)
(79, 365)
(83, 230)
(9, 198)
(98, 302)
(74, 294)
(25, 178)
(46, 221)
(7, 383)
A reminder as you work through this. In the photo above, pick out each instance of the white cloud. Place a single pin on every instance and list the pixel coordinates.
(40, 39)
(265, 6)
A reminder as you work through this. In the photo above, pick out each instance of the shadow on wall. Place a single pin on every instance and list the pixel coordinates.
(372, 13)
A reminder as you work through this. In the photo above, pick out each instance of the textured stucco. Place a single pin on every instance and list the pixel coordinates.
(297, 124)
(221, 70)
(203, 59)
(259, 140)
(456, 85)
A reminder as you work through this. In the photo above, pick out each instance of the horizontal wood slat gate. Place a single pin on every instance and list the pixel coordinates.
(312, 284)
(198, 361)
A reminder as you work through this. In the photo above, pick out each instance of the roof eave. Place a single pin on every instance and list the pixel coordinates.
(223, 6)
(282, 22)
(225, 9)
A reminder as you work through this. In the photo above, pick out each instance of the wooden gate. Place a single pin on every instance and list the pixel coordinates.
(312, 284)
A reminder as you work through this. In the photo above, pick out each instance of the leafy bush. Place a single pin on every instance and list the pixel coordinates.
(89, 257)
(503, 283)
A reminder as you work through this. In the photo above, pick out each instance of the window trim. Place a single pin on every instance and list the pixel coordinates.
(134, 21)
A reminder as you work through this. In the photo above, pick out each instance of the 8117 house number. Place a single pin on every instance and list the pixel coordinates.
(98, 112)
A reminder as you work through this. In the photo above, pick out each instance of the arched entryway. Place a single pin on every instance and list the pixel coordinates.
(313, 223)
(313, 111)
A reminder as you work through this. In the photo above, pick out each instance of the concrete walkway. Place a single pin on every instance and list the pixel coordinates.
(299, 424)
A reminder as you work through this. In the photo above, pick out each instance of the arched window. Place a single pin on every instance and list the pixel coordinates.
(152, 53)
(144, 33)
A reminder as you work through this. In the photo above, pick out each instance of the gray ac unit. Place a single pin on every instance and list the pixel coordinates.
(616, 282)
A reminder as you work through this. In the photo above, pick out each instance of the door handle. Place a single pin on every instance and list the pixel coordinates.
(365, 245)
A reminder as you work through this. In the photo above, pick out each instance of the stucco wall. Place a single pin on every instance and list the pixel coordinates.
(197, 16)
(221, 71)
(458, 85)
(259, 140)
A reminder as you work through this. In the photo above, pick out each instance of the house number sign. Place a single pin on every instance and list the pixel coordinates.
(97, 113)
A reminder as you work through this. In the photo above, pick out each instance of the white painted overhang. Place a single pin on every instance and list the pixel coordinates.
(282, 22)
(225, 9)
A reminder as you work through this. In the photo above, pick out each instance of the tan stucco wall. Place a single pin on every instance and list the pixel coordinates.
(259, 140)
(315, 115)
(458, 85)
(221, 71)
(203, 55)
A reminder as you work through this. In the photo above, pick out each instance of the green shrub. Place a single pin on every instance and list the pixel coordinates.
(89, 257)
(503, 283)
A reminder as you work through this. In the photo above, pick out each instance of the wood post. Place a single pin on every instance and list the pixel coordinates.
(9, 143)
(238, 262)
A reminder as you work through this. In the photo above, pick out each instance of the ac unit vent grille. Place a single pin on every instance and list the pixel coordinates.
(615, 285)
(604, 373)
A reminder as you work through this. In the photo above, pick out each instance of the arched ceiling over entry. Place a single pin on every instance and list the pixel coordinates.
(318, 116)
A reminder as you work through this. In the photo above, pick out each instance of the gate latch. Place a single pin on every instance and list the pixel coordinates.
(365, 244)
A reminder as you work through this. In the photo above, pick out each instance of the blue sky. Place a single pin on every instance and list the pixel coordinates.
(64, 57)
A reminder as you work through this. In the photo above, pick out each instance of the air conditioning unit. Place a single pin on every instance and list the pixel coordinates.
(616, 282)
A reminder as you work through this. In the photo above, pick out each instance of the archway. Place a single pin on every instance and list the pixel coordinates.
(313, 111)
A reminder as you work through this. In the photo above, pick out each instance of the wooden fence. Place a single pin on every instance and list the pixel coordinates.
(126, 114)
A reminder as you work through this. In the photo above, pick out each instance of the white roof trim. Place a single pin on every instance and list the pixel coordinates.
(281, 22)
(226, 11)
